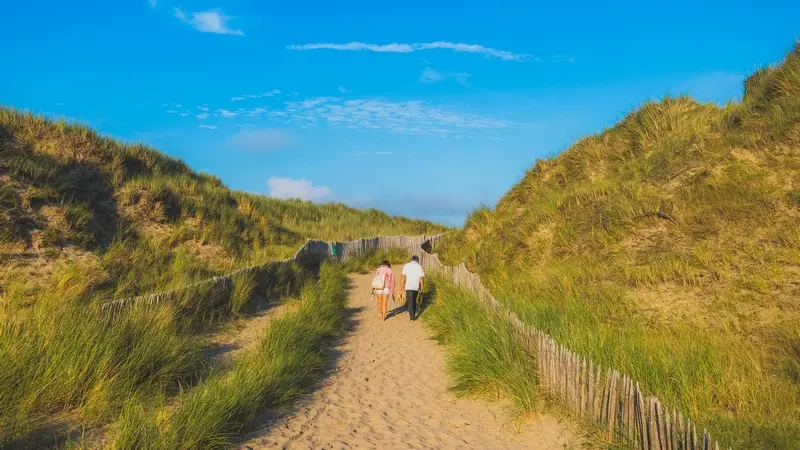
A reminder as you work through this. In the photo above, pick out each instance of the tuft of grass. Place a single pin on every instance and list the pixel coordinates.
(244, 286)
(485, 356)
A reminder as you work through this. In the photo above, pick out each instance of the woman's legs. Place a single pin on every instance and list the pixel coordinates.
(378, 296)
(383, 298)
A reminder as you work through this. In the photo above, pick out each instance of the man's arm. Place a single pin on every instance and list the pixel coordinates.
(402, 281)
(421, 284)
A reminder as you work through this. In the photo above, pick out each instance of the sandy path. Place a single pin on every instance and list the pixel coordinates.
(389, 390)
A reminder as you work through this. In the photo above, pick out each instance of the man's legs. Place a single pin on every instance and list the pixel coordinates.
(411, 303)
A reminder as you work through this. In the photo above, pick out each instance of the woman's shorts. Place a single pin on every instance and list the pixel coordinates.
(382, 291)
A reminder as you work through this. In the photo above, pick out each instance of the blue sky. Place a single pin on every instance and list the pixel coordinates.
(426, 109)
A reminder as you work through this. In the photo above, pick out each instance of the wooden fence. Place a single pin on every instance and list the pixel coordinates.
(313, 251)
(597, 394)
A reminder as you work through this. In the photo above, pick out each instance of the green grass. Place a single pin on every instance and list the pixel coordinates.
(485, 355)
(288, 359)
(668, 246)
(61, 355)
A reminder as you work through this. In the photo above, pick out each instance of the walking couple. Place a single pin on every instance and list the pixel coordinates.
(412, 279)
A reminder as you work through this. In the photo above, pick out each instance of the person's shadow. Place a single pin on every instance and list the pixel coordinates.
(427, 299)
(399, 310)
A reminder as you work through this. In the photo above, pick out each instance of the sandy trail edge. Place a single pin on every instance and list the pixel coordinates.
(389, 390)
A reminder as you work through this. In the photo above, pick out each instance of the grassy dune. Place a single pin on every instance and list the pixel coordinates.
(669, 247)
(143, 220)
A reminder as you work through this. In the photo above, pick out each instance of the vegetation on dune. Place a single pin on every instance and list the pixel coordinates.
(147, 220)
(62, 358)
(288, 359)
(668, 246)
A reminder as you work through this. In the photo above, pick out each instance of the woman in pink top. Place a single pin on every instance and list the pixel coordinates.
(388, 287)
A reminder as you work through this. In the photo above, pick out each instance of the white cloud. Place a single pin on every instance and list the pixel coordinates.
(261, 95)
(152, 3)
(227, 114)
(213, 21)
(210, 127)
(202, 116)
(203, 108)
(259, 140)
(344, 90)
(414, 47)
(430, 75)
(303, 189)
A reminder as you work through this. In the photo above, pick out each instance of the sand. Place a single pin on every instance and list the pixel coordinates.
(388, 389)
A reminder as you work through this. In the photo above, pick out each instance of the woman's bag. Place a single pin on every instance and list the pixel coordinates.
(379, 282)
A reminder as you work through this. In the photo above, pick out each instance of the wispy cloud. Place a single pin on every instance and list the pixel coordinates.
(344, 90)
(413, 117)
(152, 3)
(430, 75)
(210, 127)
(373, 153)
(261, 95)
(213, 21)
(414, 47)
(226, 114)
(280, 187)
(409, 117)
(259, 140)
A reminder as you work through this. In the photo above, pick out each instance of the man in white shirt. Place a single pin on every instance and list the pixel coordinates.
(413, 281)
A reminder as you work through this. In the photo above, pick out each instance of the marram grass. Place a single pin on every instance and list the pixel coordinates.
(668, 247)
